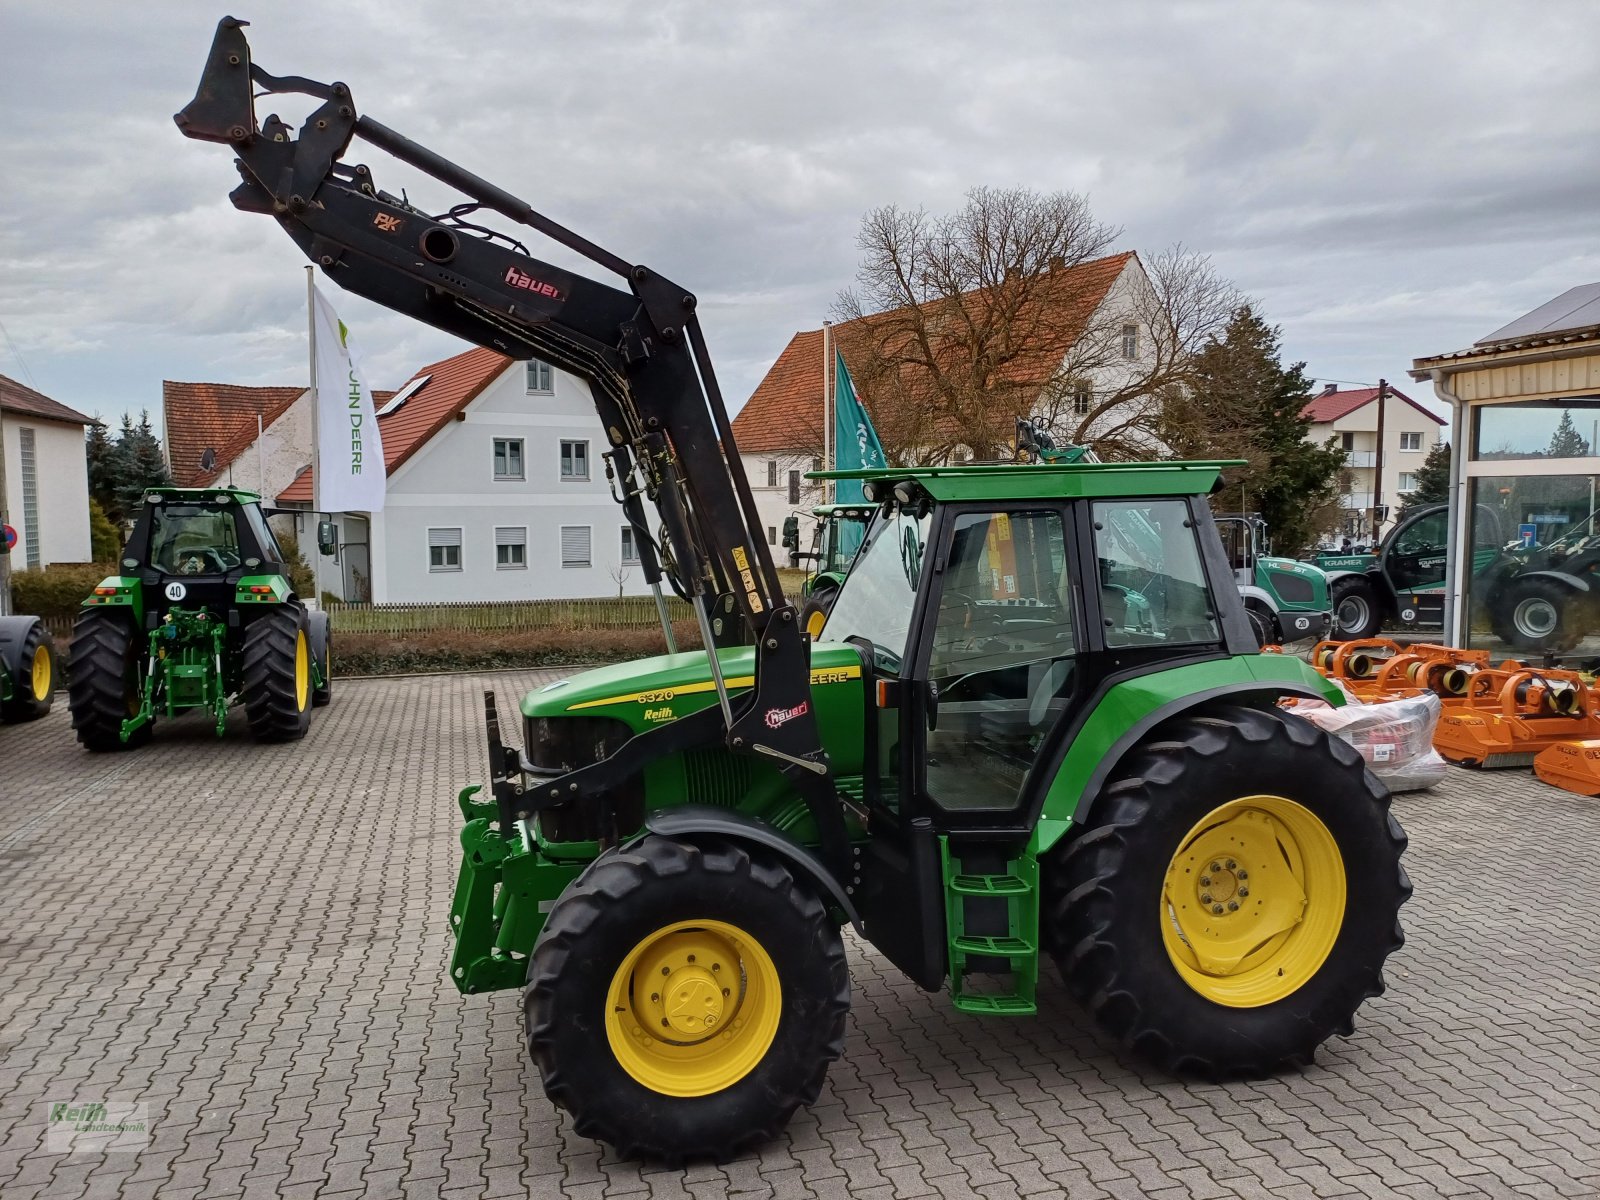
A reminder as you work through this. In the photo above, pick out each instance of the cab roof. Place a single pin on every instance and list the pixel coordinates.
(235, 495)
(1041, 481)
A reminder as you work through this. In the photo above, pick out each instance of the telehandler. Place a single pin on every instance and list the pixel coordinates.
(991, 754)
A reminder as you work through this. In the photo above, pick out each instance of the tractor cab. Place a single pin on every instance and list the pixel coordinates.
(192, 547)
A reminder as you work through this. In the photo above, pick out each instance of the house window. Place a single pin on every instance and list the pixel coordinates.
(794, 487)
(630, 547)
(772, 473)
(444, 549)
(574, 460)
(1130, 341)
(816, 464)
(30, 495)
(1408, 481)
(1411, 441)
(510, 547)
(772, 535)
(1347, 441)
(508, 458)
(540, 380)
(1082, 398)
(575, 546)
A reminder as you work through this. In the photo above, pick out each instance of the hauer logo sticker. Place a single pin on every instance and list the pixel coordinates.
(782, 716)
(528, 283)
(176, 591)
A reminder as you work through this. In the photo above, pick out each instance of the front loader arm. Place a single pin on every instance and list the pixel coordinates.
(640, 349)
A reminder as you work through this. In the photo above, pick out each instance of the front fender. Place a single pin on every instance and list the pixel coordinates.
(687, 822)
(1574, 582)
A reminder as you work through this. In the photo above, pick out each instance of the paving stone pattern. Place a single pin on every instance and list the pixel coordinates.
(250, 941)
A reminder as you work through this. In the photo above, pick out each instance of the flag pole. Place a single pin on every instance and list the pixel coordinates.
(828, 450)
(316, 473)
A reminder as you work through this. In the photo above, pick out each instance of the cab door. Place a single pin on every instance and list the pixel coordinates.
(994, 652)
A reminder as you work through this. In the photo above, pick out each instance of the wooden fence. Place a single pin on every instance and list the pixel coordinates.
(607, 612)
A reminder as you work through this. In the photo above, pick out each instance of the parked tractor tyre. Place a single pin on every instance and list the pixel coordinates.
(1355, 609)
(105, 671)
(1536, 615)
(1280, 885)
(814, 613)
(683, 1000)
(31, 664)
(321, 636)
(275, 674)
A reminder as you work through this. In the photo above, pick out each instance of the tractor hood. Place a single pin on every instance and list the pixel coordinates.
(647, 691)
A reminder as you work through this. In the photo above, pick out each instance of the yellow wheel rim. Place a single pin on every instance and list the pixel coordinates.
(1253, 901)
(693, 1008)
(302, 671)
(815, 622)
(41, 674)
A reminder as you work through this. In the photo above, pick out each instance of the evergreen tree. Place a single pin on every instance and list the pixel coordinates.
(1433, 480)
(1566, 441)
(1292, 482)
(105, 539)
(103, 477)
(139, 463)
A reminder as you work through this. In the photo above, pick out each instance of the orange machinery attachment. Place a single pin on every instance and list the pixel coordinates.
(1354, 663)
(1377, 668)
(1508, 716)
(1572, 766)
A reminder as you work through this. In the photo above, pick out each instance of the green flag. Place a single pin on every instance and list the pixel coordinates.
(855, 441)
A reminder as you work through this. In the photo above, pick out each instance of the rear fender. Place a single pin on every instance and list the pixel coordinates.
(14, 633)
(1124, 712)
(1248, 592)
(691, 822)
(114, 591)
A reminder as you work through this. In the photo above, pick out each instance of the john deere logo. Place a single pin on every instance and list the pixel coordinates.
(176, 591)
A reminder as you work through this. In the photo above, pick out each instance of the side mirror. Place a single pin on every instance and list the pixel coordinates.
(327, 536)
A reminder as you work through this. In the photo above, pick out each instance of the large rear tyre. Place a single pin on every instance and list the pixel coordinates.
(31, 664)
(104, 676)
(1235, 896)
(1355, 609)
(684, 1000)
(275, 674)
(814, 613)
(321, 639)
(1536, 615)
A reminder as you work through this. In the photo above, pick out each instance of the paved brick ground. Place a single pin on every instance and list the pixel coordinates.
(249, 941)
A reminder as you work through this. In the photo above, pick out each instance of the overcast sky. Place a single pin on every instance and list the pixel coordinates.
(1388, 181)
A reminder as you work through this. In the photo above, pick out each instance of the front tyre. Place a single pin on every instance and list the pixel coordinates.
(320, 637)
(1355, 609)
(275, 674)
(1537, 615)
(1227, 927)
(684, 1000)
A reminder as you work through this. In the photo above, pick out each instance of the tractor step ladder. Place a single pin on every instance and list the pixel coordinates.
(1018, 889)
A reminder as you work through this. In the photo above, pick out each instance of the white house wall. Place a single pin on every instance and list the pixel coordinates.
(61, 475)
(1398, 418)
(285, 449)
(450, 483)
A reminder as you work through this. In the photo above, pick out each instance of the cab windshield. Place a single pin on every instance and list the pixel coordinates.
(875, 601)
(186, 539)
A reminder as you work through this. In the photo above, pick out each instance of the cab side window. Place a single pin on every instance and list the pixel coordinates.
(1153, 589)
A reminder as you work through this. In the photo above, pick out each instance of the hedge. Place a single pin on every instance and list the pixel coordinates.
(450, 650)
(58, 590)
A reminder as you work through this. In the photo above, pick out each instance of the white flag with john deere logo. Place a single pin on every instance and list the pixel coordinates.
(349, 474)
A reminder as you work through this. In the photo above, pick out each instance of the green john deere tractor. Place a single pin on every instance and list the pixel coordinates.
(202, 617)
(27, 669)
(1030, 763)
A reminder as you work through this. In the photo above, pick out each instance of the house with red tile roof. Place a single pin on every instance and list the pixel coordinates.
(46, 496)
(496, 491)
(1350, 417)
(779, 429)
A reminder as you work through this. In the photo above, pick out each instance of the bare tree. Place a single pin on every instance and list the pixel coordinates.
(960, 323)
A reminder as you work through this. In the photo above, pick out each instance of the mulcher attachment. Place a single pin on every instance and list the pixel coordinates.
(1571, 766)
(1508, 717)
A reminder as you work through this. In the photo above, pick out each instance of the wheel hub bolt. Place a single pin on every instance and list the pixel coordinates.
(1243, 875)
(1217, 908)
(1244, 892)
(1232, 864)
(1205, 881)
(1205, 897)
(1233, 906)
(1216, 866)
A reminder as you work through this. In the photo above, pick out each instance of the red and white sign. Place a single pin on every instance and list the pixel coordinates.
(8, 538)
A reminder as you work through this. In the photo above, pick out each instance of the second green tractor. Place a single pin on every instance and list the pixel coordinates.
(203, 616)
